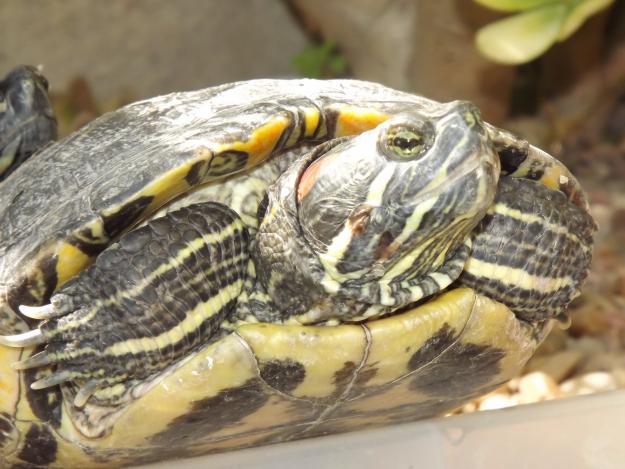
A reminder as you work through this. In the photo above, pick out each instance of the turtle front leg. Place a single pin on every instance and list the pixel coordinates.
(148, 301)
(532, 250)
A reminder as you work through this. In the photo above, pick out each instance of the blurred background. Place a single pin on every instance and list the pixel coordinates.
(552, 71)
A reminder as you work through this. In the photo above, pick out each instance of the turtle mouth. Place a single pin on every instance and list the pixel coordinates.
(477, 169)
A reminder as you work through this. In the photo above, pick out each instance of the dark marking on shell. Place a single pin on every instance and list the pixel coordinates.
(364, 376)
(50, 277)
(197, 173)
(226, 409)
(432, 348)
(22, 295)
(45, 403)
(39, 447)
(410, 412)
(343, 377)
(462, 368)
(284, 136)
(283, 375)
(127, 216)
(536, 171)
(29, 290)
(88, 243)
(227, 162)
(6, 427)
(330, 118)
(511, 158)
(301, 130)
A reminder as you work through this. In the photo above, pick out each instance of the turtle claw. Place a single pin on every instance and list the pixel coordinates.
(85, 392)
(37, 360)
(39, 312)
(60, 377)
(52, 380)
(26, 339)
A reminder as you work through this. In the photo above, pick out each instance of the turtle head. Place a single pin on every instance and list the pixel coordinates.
(27, 121)
(400, 199)
(381, 211)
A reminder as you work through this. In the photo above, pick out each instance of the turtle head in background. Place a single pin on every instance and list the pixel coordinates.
(27, 122)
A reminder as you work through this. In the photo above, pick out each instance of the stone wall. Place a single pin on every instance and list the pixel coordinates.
(149, 47)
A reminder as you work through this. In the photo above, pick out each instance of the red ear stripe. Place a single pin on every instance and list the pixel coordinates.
(310, 176)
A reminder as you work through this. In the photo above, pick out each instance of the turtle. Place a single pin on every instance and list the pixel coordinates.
(270, 260)
(27, 122)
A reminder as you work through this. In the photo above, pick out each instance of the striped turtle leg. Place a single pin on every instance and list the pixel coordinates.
(532, 250)
(147, 301)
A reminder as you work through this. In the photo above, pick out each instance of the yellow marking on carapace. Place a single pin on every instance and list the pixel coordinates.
(95, 228)
(551, 177)
(555, 175)
(173, 182)
(355, 120)
(166, 187)
(514, 277)
(191, 322)
(311, 119)
(262, 141)
(70, 261)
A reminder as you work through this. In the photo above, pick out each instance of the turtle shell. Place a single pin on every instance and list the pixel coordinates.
(269, 383)
(259, 383)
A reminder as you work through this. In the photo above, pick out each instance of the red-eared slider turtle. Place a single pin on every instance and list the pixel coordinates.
(328, 256)
(27, 122)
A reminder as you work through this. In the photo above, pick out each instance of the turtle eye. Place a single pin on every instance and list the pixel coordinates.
(406, 142)
(3, 104)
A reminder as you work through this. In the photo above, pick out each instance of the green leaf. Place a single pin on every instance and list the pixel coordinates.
(522, 37)
(337, 65)
(309, 62)
(513, 5)
(320, 61)
(580, 13)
